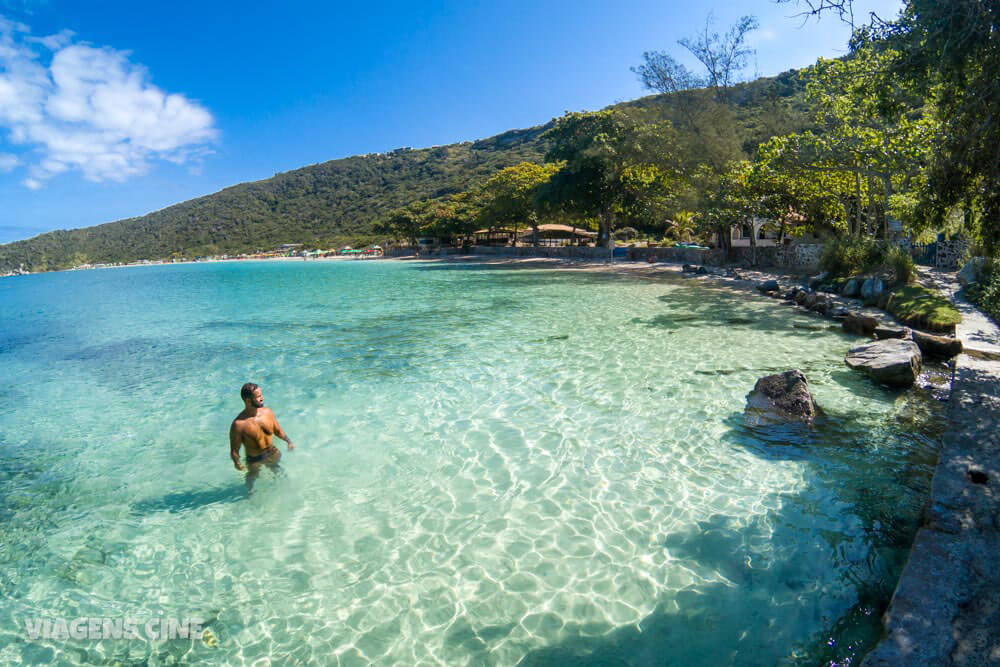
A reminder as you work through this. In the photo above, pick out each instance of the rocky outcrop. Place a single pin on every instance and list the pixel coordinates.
(856, 323)
(943, 347)
(894, 362)
(816, 281)
(970, 272)
(781, 398)
(872, 289)
(768, 286)
(852, 288)
(820, 305)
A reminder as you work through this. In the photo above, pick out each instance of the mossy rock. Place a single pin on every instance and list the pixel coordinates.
(922, 308)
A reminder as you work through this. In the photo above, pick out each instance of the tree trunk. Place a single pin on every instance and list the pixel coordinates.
(870, 223)
(968, 216)
(887, 194)
(604, 231)
(857, 194)
(725, 242)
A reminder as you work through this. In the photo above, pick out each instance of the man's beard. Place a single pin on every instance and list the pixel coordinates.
(258, 404)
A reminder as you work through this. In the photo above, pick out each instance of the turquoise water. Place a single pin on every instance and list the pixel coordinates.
(492, 466)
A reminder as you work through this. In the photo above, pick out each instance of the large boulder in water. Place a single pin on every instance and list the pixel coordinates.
(894, 362)
(780, 398)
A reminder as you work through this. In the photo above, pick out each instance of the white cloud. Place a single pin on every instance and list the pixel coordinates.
(8, 162)
(91, 110)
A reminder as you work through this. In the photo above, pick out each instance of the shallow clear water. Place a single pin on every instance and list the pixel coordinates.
(492, 466)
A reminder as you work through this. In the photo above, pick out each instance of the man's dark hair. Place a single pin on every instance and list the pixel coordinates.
(246, 391)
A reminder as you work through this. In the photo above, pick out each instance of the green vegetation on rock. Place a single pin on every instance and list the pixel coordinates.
(923, 307)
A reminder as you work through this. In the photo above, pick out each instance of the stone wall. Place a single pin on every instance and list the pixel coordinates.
(767, 256)
(950, 254)
(678, 255)
(797, 257)
(802, 256)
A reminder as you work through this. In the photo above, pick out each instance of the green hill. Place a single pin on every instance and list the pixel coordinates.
(339, 201)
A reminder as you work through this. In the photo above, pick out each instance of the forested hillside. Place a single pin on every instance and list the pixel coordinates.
(341, 201)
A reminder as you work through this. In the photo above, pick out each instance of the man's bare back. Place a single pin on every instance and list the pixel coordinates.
(254, 429)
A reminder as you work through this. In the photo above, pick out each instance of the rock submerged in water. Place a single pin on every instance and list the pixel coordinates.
(857, 323)
(783, 397)
(895, 362)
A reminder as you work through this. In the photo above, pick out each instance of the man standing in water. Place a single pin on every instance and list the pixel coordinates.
(255, 428)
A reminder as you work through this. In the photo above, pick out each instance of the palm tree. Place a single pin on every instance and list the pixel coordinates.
(682, 226)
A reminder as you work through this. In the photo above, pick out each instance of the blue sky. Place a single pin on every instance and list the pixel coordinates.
(114, 109)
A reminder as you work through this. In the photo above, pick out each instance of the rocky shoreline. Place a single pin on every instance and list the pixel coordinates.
(945, 609)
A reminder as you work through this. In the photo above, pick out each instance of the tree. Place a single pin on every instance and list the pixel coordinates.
(615, 168)
(710, 120)
(950, 54)
(406, 222)
(509, 196)
(864, 136)
(682, 226)
(456, 215)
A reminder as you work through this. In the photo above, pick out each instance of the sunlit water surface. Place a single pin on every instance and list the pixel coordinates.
(493, 466)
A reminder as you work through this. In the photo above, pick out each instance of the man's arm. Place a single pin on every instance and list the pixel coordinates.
(234, 446)
(281, 434)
